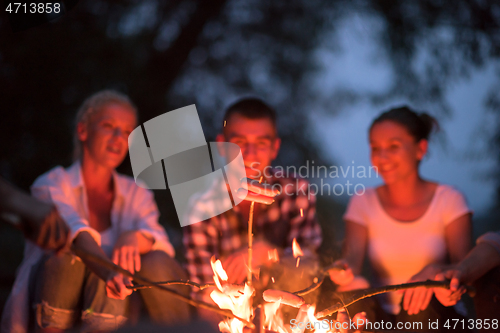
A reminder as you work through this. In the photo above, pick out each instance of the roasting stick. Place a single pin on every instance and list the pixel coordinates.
(365, 293)
(316, 284)
(172, 282)
(318, 281)
(109, 265)
(250, 240)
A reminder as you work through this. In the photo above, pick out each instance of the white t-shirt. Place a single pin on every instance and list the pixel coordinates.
(398, 250)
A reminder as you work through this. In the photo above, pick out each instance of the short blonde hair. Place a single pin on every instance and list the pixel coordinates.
(93, 105)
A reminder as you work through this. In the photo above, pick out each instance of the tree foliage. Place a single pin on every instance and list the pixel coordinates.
(168, 54)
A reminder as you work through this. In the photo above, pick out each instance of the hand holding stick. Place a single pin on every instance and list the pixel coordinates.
(375, 291)
(109, 265)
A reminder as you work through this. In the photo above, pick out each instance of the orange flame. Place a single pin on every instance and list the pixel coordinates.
(231, 297)
(219, 272)
(297, 251)
(315, 322)
(273, 320)
(273, 255)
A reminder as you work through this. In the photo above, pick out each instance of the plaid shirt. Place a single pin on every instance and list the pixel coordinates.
(278, 224)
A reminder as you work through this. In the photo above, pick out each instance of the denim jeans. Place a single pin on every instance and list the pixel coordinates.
(68, 294)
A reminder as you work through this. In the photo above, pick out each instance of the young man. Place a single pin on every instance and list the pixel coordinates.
(251, 124)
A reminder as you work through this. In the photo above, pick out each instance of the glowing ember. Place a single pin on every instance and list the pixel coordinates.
(224, 123)
(301, 212)
(272, 278)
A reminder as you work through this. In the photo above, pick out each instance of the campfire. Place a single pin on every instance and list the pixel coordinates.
(236, 302)
(239, 300)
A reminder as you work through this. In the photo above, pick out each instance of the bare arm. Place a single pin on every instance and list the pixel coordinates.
(128, 249)
(353, 254)
(356, 239)
(39, 221)
(478, 262)
(115, 282)
(458, 242)
(458, 237)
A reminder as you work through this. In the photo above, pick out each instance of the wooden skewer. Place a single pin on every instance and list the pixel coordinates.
(375, 291)
(250, 240)
(312, 287)
(173, 282)
(109, 265)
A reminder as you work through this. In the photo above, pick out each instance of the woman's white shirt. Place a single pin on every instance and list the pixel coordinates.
(398, 250)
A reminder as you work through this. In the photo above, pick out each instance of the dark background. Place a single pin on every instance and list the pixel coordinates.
(169, 54)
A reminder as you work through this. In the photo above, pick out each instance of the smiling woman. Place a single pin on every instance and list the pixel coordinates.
(109, 216)
(113, 105)
(408, 225)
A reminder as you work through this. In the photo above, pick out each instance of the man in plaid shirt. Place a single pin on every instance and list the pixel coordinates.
(251, 124)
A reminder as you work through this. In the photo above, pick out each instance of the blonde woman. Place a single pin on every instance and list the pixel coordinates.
(109, 216)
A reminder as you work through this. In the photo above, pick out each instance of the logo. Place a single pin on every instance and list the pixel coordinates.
(170, 151)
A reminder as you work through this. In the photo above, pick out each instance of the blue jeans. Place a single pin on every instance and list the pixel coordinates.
(67, 293)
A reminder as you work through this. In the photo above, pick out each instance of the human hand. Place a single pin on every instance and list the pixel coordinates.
(116, 286)
(341, 273)
(417, 299)
(126, 252)
(45, 227)
(449, 297)
(359, 321)
(252, 190)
